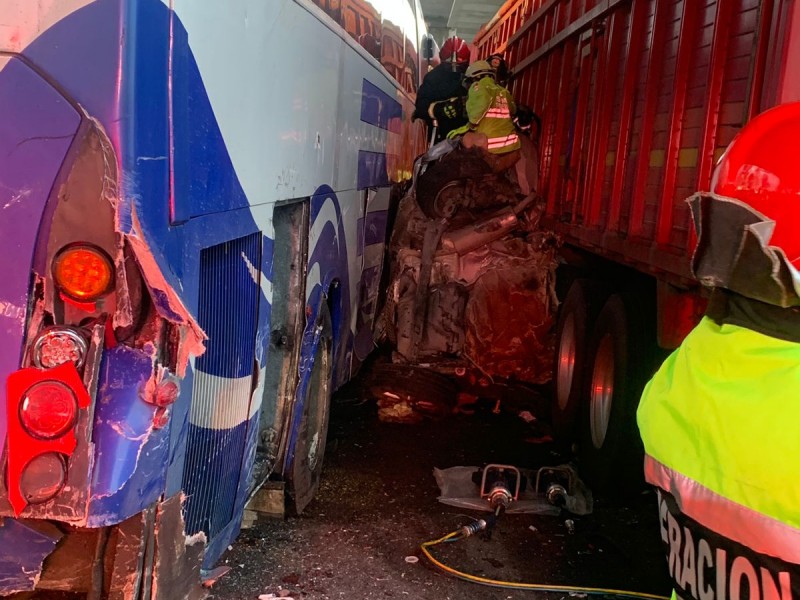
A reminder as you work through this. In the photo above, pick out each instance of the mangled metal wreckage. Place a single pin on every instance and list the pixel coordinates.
(471, 288)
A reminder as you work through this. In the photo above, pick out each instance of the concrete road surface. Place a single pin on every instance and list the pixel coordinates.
(359, 539)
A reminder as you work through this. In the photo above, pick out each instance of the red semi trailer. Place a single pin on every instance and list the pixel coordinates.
(638, 99)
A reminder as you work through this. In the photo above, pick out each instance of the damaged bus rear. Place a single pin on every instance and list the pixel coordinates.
(155, 195)
(94, 340)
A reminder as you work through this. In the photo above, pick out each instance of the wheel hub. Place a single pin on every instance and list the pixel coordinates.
(602, 391)
(566, 362)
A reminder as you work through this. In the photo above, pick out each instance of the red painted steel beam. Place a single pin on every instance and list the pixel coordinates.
(573, 174)
(603, 115)
(586, 161)
(716, 75)
(635, 45)
(575, 26)
(549, 114)
(537, 14)
(759, 66)
(655, 64)
(687, 48)
(789, 80)
(560, 129)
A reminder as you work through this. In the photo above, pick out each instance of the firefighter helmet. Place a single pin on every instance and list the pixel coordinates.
(454, 50)
(759, 169)
(478, 69)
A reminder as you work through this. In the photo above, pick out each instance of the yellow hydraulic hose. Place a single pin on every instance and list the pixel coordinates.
(452, 537)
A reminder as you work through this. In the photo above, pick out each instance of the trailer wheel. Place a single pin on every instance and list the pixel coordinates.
(576, 317)
(309, 450)
(620, 360)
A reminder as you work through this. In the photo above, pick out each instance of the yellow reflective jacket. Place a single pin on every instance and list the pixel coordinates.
(720, 422)
(489, 109)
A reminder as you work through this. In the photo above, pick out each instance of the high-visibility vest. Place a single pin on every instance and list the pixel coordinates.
(489, 108)
(720, 422)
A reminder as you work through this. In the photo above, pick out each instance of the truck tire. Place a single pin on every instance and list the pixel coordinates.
(619, 363)
(309, 449)
(576, 317)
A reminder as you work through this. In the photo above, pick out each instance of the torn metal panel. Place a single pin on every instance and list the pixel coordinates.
(22, 553)
(131, 454)
(69, 567)
(130, 542)
(168, 305)
(176, 568)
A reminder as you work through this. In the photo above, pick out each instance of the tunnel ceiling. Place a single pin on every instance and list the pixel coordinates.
(463, 16)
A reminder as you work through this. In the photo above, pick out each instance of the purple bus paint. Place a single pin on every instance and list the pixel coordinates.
(35, 133)
(379, 108)
(22, 552)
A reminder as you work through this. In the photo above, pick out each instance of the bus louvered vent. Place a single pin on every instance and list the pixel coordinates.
(220, 410)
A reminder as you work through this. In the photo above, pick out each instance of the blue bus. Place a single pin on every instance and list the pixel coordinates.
(193, 211)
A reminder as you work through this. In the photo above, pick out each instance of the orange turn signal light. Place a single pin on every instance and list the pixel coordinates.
(83, 272)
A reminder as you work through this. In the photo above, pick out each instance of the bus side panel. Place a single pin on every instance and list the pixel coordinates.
(280, 133)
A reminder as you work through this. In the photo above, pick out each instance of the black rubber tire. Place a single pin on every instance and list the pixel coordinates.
(309, 452)
(576, 318)
(620, 361)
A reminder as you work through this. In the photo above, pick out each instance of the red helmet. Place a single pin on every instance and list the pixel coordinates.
(454, 50)
(760, 169)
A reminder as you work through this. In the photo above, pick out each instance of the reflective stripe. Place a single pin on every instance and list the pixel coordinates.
(498, 113)
(737, 522)
(501, 142)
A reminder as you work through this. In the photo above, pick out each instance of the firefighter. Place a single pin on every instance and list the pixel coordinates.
(498, 63)
(490, 107)
(440, 98)
(720, 420)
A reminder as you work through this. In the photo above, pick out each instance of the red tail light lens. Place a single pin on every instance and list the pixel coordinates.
(43, 477)
(83, 272)
(48, 410)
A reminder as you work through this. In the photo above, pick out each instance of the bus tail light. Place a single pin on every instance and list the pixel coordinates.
(48, 410)
(43, 409)
(83, 272)
(58, 345)
(43, 477)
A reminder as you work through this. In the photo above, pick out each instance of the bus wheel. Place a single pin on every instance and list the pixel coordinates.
(618, 365)
(576, 317)
(309, 449)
